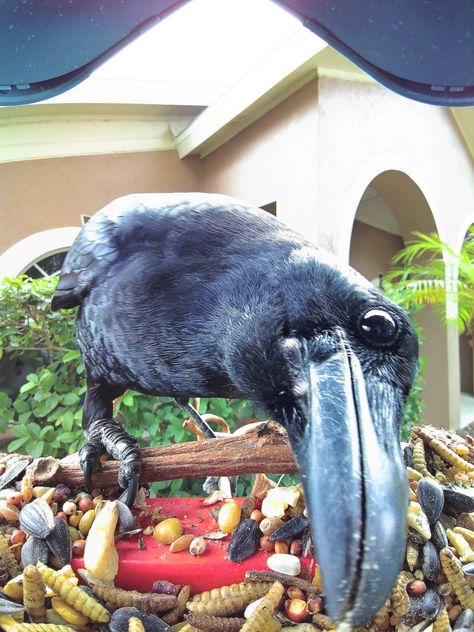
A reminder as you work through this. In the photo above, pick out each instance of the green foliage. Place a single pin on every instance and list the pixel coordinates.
(414, 403)
(421, 277)
(45, 415)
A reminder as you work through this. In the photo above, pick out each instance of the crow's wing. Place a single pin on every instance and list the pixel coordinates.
(149, 220)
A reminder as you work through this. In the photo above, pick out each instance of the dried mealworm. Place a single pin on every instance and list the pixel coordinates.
(441, 623)
(412, 555)
(453, 570)
(467, 534)
(34, 594)
(219, 607)
(4, 575)
(286, 580)
(248, 591)
(466, 554)
(265, 609)
(8, 558)
(215, 624)
(399, 596)
(173, 616)
(419, 458)
(272, 625)
(380, 616)
(73, 595)
(442, 449)
(323, 621)
(119, 598)
(9, 624)
(135, 625)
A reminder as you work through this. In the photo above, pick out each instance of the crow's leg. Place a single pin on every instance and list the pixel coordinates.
(106, 435)
(212, 482)
(195, 416)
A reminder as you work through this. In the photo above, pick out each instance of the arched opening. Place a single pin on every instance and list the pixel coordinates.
(391, 208)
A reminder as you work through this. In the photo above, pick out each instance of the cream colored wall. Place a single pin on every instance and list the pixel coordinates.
(372, 249)
(42, 194)
(273, 160)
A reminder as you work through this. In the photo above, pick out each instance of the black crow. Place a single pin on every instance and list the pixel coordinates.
(195, 294)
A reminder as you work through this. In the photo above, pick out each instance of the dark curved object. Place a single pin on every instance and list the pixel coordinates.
(422, 49)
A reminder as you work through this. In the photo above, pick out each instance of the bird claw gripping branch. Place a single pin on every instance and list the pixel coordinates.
(109, 436)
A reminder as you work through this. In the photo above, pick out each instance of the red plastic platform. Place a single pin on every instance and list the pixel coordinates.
(138, 569)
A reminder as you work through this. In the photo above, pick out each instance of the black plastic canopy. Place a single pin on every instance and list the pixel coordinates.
(422, 49)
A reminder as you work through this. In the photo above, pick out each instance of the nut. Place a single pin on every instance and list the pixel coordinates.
(75, 518)
(256, 515)
(281, 547)
(296, 548)
(296, 610)
(314, 605)
(295, 593)
(266, 544)
(85, 503)
(270, 525)
(416, 588)
(197, 546)
(78, 548)
(168, 531)
(284, 563)
(96, 500)
(17, 537)
(182, 543)
(86, 522)
(69, 507)
(454, 612)
(148, 530)
(61, 494)
(229, 516)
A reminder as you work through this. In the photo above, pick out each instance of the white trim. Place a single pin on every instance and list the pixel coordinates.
(49, 134)
(273, 80)
(31, 249)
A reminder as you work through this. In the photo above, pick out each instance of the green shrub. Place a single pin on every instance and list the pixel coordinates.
(45, 415)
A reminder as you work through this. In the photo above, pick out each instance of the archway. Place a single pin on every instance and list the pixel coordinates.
(28, 251)
(391, 208)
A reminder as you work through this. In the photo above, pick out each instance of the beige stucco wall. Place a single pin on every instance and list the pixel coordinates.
(273, 160)
(38, 195)
(372, 249)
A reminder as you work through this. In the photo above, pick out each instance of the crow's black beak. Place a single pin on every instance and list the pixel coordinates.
(355, 485)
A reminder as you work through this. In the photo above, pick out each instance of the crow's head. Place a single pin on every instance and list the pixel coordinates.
(333, 359)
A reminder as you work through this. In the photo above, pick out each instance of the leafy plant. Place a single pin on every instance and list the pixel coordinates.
(45, 415)
(414, 404)
(421, 277)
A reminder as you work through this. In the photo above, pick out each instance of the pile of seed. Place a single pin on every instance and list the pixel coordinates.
(41, 528)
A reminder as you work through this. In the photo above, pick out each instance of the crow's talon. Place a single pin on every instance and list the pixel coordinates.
(106, 435)
(89, 458)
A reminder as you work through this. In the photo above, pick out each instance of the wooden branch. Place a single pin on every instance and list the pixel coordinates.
(230, 456)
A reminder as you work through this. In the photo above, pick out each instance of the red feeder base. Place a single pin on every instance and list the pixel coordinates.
(140, 568)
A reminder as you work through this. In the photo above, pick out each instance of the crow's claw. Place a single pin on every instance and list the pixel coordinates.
(124, 448)
(106, 435)
(129, 478)
(89, 456)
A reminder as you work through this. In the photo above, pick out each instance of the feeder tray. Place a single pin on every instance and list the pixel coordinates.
(139, 568)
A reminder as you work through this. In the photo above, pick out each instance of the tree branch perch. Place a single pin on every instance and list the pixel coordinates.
(229, 456)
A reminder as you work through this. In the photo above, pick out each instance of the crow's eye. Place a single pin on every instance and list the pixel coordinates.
(378, 327)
